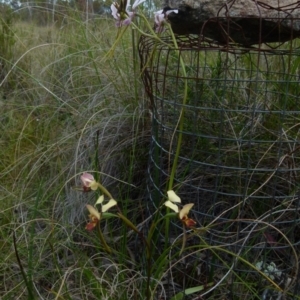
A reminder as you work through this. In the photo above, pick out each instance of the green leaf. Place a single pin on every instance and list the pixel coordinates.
(108, 215)
(128, 223)
(194, 289)
(190, 291)
(178, 296)
(171, 215)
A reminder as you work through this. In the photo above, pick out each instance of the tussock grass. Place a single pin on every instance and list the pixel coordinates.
(66, 109)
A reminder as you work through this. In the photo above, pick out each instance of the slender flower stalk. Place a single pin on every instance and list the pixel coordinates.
(102, 239)
(121, 13)
(182, 112)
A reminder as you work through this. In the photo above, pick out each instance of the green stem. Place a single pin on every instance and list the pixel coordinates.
(28, 285)
(104, 191)
(110, 52)
(134, 59)
(180, 130)
(148, 251)
(102, 239)
(152, 34)
(182, 64)
(181, 116)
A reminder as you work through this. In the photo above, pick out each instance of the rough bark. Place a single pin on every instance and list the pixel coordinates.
(244, 22)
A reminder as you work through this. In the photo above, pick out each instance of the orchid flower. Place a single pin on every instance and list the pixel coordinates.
(121, 12)
(88, 182)
(182, 213)
(160, 17)
(95, 215)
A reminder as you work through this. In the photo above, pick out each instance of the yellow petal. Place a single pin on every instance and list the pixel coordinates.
(94, 185)
(93, 211)
(108, 205)
(173, 197)
(185, 210)
(100, 200)
(171, 205)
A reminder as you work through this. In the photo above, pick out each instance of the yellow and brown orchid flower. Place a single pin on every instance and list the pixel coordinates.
(182, 213)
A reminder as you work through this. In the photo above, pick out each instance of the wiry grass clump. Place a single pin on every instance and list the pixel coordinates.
(66, 108)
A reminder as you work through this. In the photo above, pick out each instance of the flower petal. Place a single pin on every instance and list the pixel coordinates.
(114, 11)
(94, 185)
(108, 205)
(171, 205)
(126, 22)
(136, 3)
(185, 210)
(100, 200)
(172, 11)
(127, 4)
(159, 17)
(86, 179)
(93, 211)
(173, 197)
(189, 222)
(90, 226)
